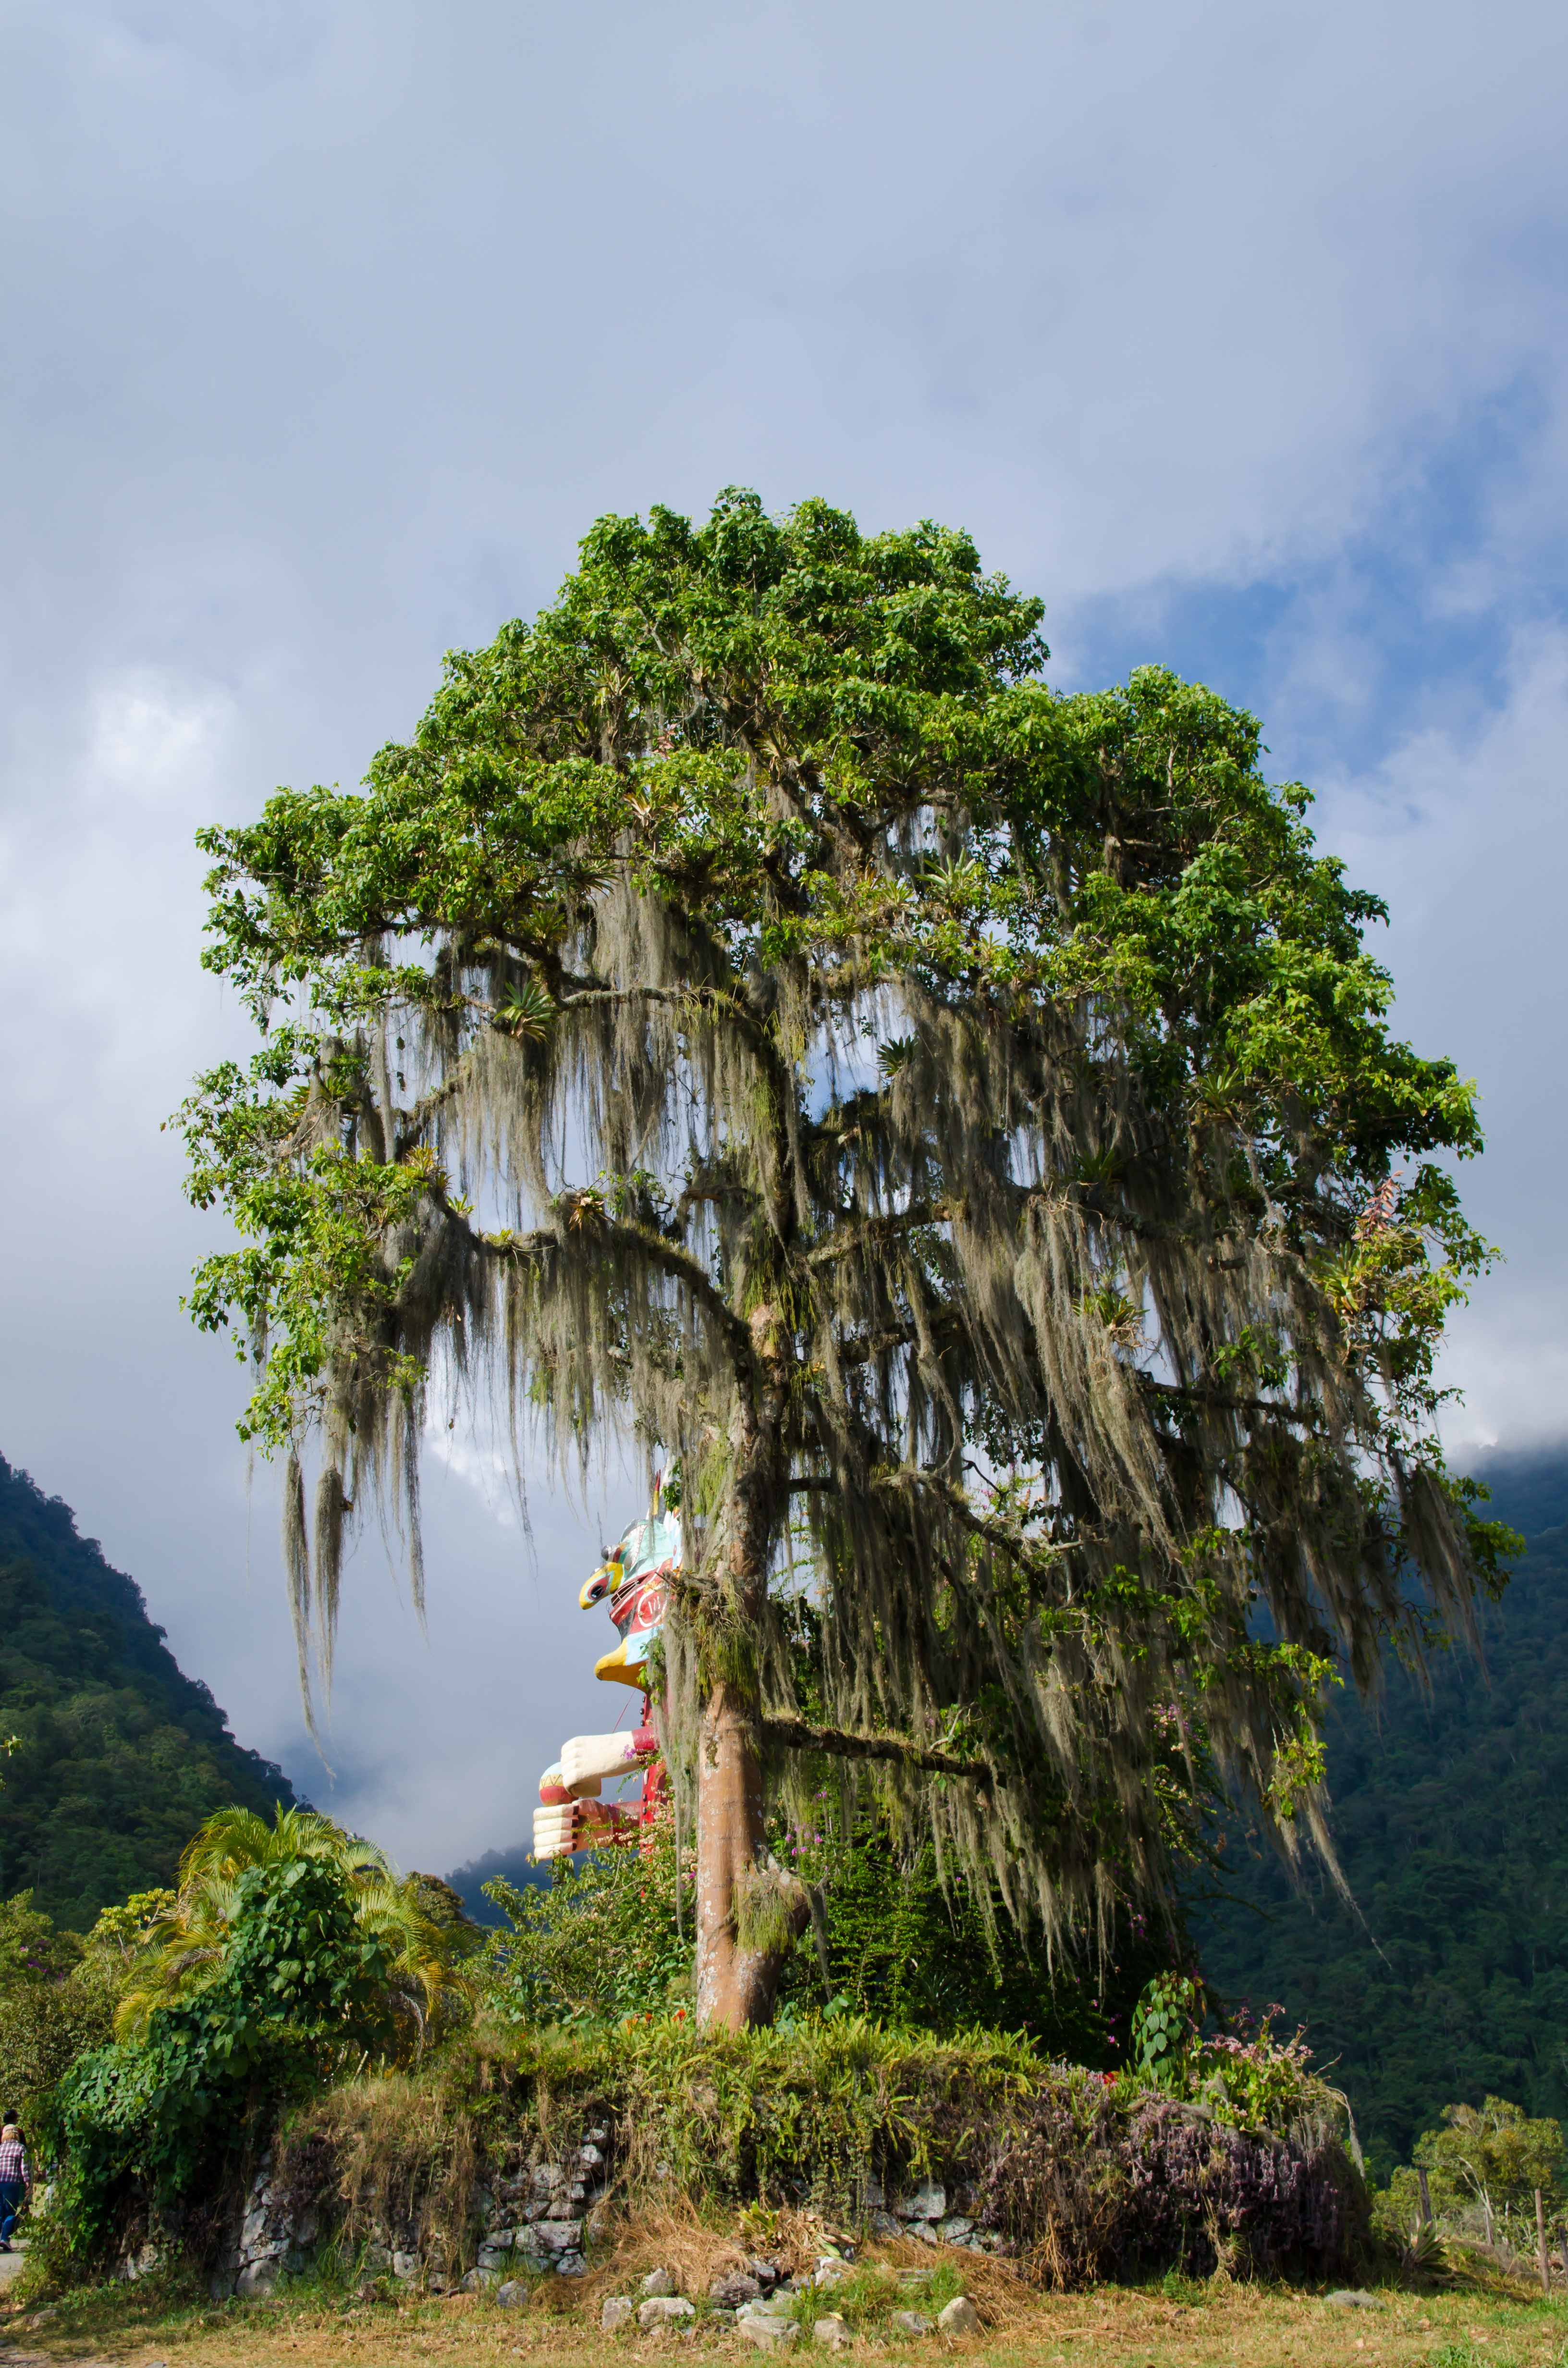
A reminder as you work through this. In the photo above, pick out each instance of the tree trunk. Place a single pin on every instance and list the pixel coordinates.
(733, 1986)
(735, 1982)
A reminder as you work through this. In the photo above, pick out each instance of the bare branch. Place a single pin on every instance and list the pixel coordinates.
(794, 1735)
(1012, 1539)
(853, 1232)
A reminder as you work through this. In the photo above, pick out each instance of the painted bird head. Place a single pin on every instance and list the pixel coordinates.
(602, 1583)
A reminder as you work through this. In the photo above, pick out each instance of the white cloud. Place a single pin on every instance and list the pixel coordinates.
(1467, 838)
(331, 328)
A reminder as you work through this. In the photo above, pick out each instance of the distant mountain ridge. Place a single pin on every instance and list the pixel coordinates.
(1450, 1815)
(123, 1754)
(517, 1866)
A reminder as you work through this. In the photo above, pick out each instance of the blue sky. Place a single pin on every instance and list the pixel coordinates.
(1237, 333)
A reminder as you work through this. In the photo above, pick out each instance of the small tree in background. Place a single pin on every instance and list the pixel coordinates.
(757, 1010)
(57, 1995)
(1492, 2157)
(31, 1948)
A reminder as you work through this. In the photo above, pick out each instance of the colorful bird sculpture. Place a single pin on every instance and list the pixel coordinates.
(634, 1580)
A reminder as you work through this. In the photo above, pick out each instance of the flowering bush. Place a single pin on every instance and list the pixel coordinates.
(1262, 2081)
(1092, 2182)
(1246, 2076)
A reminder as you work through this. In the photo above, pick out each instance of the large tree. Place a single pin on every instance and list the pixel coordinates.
(956, 1121)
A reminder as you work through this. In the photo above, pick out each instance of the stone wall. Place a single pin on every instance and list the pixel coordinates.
(536, 2217)
(273, 2237)
(489, 2186)
(924, 2212)
(541, 2217)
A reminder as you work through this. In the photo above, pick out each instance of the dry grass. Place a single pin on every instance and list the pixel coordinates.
(697, 2251)
(1259, 2328)
(1217, 2325)
(694, 2250)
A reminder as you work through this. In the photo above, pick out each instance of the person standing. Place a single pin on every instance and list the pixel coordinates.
(16, 2179)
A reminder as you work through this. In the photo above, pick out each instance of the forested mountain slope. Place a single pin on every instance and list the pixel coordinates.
(517, 1866)
(122, 1754)
(1451, 1818)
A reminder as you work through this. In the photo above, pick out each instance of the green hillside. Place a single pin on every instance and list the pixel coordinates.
(122, 1754)
(1451, 1818)
(517, 1866)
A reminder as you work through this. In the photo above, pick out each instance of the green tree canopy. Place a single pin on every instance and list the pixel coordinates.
(1493, 2154)
(958, 1120)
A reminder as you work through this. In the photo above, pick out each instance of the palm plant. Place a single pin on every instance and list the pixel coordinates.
(187, 1948)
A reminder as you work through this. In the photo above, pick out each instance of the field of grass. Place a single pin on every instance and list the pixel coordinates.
(1176, 2324)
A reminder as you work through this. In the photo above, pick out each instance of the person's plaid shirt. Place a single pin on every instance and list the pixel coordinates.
(13, 2161)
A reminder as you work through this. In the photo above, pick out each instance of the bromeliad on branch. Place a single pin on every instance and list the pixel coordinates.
(958, 1122)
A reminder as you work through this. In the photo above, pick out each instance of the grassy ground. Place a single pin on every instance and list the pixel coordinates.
(1178, 2323)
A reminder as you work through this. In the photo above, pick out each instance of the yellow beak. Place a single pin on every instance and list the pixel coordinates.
(615, 1670)
(604, 1582)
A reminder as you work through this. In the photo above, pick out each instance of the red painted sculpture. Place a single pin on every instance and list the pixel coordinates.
(633, 1579)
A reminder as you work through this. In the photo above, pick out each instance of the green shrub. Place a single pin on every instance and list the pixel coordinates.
(602, 1942)
(138, 2127)
(605, 1940)
(1164, 2026)
(1247, 2077)
(45, 2027)
(1259, 2082)
(906, 1949)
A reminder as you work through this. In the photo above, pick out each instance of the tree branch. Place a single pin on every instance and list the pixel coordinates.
(1206, 1393)
(682, 1268)
(794, 1735)
(850, 1231)
(1006, 1534)
(675, 1262)
(413, 1121)
(944, 1329)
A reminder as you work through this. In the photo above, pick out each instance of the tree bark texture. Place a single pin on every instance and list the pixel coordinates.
(736, 1984)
